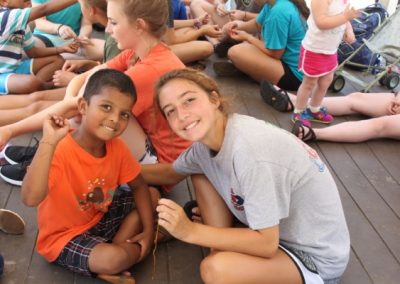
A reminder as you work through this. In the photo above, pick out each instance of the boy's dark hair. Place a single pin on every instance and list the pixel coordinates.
(109, 78)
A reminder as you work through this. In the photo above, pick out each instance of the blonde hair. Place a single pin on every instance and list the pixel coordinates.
(197, 77)
(153, 12)
(101, 4)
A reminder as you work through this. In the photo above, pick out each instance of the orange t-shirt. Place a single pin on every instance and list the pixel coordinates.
(81, 188)
(144, 74)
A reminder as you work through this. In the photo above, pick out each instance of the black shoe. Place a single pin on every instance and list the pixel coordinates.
(14, 174)
(221, 48)
(18, 154)
(226, 69)
(1, 265)
(277, 98)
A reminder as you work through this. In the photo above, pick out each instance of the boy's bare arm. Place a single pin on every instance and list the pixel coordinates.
(49, 8)
(35, 185)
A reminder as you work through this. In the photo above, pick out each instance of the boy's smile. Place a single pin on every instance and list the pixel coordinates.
(106, 115)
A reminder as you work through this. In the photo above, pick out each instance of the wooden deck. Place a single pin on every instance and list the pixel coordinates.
(367, 175)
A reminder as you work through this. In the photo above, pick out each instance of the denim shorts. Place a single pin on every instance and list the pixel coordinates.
(25, 67)
(75, 255)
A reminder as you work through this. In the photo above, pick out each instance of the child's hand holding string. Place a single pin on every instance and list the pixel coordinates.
(172, 218)
(239, 35)
(55, 128)
(66, 32)
(69, 47)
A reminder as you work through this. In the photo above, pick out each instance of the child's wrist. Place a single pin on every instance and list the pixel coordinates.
(47, 142)
(58, 29)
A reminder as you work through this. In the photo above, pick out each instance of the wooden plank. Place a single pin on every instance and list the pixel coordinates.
(355, 273)
(369, 235)
(388, 153)
(377, 174)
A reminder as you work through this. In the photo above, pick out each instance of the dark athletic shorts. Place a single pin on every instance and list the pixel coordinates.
(288, 81)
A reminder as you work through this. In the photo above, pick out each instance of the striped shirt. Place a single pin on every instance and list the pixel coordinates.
(15, 36)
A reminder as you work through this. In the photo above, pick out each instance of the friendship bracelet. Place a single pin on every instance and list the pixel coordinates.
(58, 29)
(46, 142)
(197, 24)
(244, 18)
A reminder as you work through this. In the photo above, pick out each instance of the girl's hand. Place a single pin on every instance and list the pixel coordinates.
(84, 40)
(229, 26)
(350, 12)
(71, 47)
(211, 30)
(66, 32)
(62, 78)
(239, 35)
(145, 240)
(237, 15)
(73, 65)
(172, 218)
(394, 107)
(55, 128)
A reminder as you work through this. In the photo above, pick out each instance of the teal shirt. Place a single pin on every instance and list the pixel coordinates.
(70, 16)
(282, 27)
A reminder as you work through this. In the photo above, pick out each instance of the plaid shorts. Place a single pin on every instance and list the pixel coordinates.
(75, 255)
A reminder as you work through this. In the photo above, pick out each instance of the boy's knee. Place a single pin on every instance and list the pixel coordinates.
(212, 269)
(33, 84)
(234, 52)
(207, 49)
(113, 263)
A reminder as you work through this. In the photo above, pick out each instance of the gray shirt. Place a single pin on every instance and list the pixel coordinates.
(268, 177)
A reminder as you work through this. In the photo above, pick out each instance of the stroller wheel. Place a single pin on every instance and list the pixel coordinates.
(392, 81)
(337, 83)
(382, 81)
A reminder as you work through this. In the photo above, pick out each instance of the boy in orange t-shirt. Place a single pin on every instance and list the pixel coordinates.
(85, 218)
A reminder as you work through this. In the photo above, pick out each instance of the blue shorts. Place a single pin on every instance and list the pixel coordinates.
(25, 67)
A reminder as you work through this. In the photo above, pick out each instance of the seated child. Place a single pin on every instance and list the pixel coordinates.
(85, 218)
(21, 76)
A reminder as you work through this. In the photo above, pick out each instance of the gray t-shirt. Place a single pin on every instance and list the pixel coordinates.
(267, 177)
(248, 5)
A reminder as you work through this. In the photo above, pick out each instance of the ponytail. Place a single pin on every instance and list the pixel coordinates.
(302, 6)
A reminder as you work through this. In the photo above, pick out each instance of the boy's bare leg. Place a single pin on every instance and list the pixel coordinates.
(44, 69)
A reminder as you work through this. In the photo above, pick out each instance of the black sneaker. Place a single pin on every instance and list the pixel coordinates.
(14, 174)
(277, 98)
(18, 154)
(221, 48)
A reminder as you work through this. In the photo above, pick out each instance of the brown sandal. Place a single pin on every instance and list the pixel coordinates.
(303, 132)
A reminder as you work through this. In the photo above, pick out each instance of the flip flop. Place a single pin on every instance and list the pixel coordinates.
(299, 130)
(11, 222)
(277, 98)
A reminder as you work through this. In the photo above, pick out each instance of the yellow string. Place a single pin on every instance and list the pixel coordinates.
(153, 276)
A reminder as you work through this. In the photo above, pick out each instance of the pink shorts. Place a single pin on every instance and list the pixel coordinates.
(316, 64)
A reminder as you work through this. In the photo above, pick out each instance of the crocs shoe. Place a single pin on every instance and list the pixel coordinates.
(322, 116)
(303, 117)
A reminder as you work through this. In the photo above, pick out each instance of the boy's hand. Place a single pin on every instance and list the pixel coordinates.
(73, 65)
(221, 11)
(172, 218)
(55, 128)
(145, 240)
(71, 47)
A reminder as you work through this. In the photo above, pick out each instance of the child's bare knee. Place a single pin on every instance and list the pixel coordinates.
(211, 269)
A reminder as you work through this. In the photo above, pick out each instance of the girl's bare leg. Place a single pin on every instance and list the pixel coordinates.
(13, 115)
(370, 104)
(192, 50)
(19, 101)
(66, 108)
(252, 61)
(232, 267)
(320, 90)
(358, 131)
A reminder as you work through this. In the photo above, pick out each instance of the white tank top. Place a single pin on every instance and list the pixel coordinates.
(325, 41)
